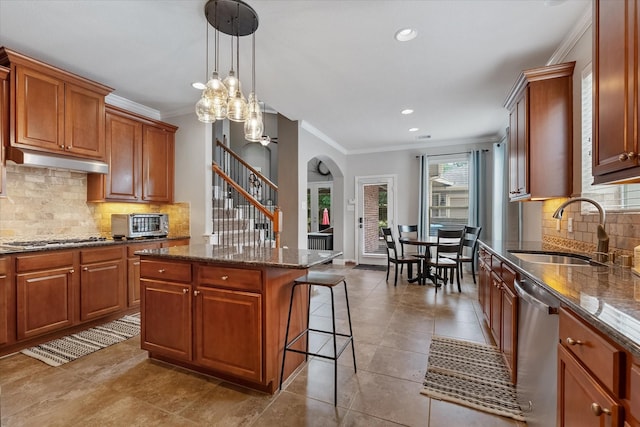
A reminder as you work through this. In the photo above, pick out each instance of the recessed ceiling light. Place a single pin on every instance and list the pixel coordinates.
(414, 129)
(406, 34)
(198, 85)
(406, 111)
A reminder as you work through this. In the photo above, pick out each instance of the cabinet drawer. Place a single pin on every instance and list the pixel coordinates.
(599, 355)
(508, 276)
(233, 278)
(131, 249)
(90, 256)
(166, 271)
(44, 261)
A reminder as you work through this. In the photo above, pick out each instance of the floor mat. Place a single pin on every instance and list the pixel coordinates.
(472, 375)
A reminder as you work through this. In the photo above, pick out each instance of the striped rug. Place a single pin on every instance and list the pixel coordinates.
(71, 347)
(472, 375)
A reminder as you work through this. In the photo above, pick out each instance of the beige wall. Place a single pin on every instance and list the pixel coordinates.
(49, 203)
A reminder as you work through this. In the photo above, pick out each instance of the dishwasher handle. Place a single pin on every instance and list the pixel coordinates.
(537, 303)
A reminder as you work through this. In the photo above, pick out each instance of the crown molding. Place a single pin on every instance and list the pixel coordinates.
(572, 38)
(318, 134)
(134, 107)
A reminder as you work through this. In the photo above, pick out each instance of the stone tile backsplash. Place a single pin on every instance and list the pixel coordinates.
(623, 228)
(50, 203)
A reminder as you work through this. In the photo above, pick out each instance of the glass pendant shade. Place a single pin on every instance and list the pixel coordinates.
(216, 89)
(232, 83)
(237, 108)
(204, 109)
(253, 127)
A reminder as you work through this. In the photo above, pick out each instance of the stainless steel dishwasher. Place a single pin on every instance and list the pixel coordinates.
(537, 354)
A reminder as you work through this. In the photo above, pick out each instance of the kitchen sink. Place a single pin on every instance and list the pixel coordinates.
(554, 258)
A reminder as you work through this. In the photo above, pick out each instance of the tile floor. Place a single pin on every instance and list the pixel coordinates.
(393, 326)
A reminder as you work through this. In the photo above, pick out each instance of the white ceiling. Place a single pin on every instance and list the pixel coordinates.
(334, 65)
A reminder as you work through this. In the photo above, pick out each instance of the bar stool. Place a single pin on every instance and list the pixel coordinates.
(315, 278)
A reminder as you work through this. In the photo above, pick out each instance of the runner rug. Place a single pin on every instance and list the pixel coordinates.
(71, 347)
(472, 375)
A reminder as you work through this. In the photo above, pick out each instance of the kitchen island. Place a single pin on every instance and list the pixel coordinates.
(223, 311)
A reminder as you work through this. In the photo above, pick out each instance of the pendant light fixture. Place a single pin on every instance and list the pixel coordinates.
(224, 99)
(253, 126)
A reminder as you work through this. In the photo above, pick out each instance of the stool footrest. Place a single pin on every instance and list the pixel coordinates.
(338, 351)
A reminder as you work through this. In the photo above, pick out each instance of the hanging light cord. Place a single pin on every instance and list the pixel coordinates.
(206, 71)
(253, 62)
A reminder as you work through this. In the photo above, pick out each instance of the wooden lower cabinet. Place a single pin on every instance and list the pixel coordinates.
(166, 312)
(509, 330)
(228, 331)
(133, 270)
(4, 301)
(102, 282)
(495, 301)
(484, 286)
(582, 401)
(44, 293)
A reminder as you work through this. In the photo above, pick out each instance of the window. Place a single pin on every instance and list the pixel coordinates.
(612, 197)
(449, 189)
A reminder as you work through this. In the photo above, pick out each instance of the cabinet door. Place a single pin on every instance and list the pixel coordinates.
(157, 164)
(44, 302)
(4, 302)
(518, 147)
(613, 86)
(484, 289)
(496, 308)
(133, 282)
(101, 289)
(39, 110)
(166, 318)
(229, 332)
(84, 122)
(509, 329)
(582, 402)
(4, 124)
(124, 151)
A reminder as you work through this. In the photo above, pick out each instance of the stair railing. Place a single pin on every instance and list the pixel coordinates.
(245, 211)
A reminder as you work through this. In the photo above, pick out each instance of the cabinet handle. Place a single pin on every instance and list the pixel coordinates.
(627, 156)
(224, 277)
(162, 270)
(196, 293)
(72, 271)
(599, 410)
(85, 269)
(68, 147)
(185, 291)
(61, 146)
(571, 341)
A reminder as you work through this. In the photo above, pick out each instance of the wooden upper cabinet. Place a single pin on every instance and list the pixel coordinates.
(615, 83)
(157, 164)
(140, 154)
(541, 133)
(52, 110)
(4, 123)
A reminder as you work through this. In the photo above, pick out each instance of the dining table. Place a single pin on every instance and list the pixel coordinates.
(425, 242)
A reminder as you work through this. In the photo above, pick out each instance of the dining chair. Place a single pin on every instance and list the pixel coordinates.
(447, 252)
(469, 249)
(411, 232)
(397, 259)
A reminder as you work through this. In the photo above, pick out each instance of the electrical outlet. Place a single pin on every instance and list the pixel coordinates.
(570, 225)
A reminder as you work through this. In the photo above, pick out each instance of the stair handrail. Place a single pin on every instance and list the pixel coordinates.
(247, 165)
(275, 217)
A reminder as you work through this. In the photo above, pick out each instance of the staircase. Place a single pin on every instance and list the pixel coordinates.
(245, 212)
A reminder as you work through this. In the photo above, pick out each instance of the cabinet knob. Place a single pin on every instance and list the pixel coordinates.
(224, 277)
(185, 291)
(85, 269)
(196, 293)
(599, 410)
(627, 156)
(68, 147)
(571, 341)
(61, 146)
(72, 271)
(162, 270)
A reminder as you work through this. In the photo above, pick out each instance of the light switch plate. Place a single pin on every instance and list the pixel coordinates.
(570, 225)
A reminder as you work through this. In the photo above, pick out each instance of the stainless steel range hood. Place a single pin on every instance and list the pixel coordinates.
(45, 160)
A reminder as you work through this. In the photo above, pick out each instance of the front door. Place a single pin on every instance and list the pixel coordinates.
(376, 208)
(319, 213)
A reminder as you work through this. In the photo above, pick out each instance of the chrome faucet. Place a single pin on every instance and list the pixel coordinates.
(603, 238)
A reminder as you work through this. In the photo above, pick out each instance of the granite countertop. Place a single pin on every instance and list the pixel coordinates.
(250, 257)
(607, 296)
(11, 250)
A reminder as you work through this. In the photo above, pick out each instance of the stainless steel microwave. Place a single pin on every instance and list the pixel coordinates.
(135, 225)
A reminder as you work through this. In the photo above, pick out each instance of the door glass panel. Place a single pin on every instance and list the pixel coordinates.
(324, 207)
(375, 215)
